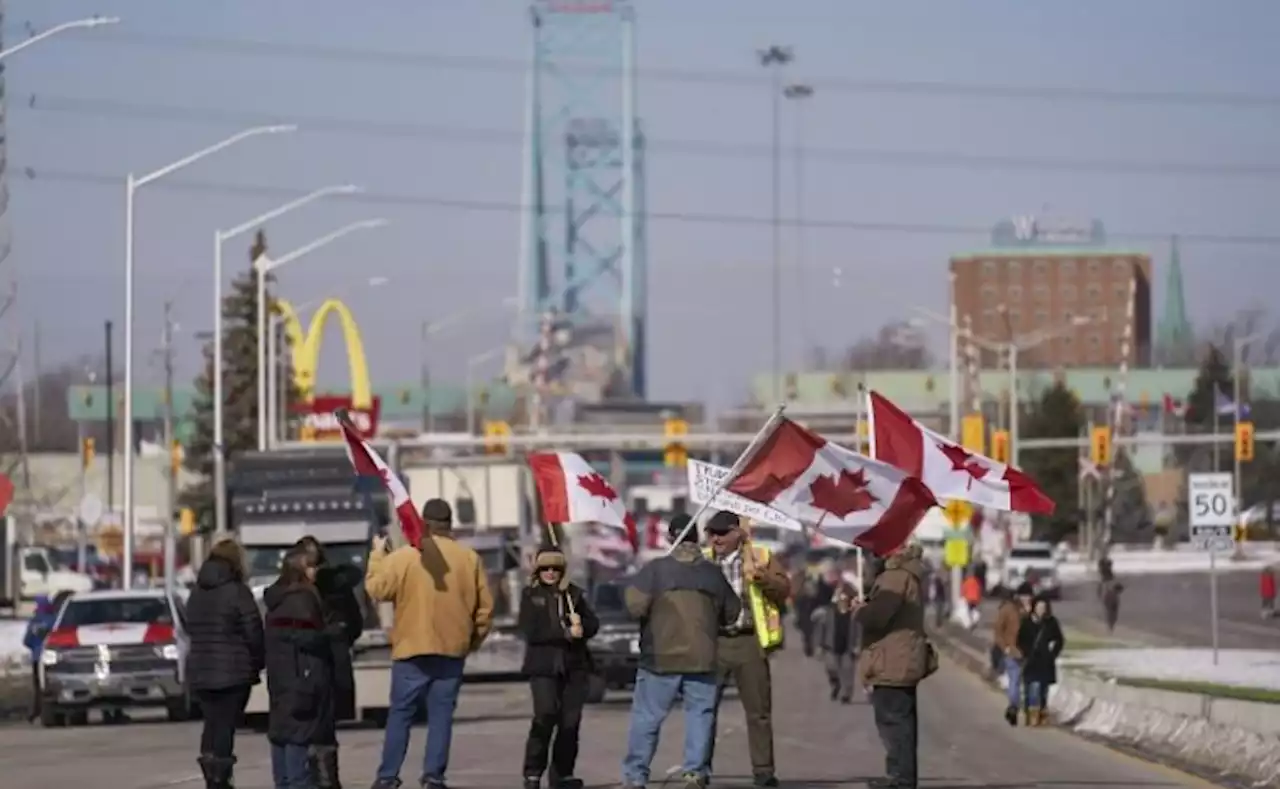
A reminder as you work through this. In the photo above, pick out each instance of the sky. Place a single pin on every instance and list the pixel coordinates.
(430, 94)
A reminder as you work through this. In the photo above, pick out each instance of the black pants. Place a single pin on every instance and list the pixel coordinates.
(557, 714)
(37, 699)
(896, 721)
(222, 710)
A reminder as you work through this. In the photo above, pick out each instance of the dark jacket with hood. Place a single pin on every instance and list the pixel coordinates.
(337, 587)
(299, 665)
(895, 651)
(544, 625)
(1040, 641)
(225, 629)
(682, 602)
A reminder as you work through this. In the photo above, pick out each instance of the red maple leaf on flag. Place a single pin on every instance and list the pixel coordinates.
(842, 494)
(597, 486)
(962, 460)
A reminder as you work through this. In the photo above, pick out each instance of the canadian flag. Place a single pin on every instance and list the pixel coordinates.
(368, 463)
(1174, 407)
(803, 475)
(950, 470)
(573, 492)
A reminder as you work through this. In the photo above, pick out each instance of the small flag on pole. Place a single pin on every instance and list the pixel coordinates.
(369, 464)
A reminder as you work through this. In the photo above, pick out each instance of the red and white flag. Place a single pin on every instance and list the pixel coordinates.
(950, 470)
(369, 464)
(805, 476)
(573, 492)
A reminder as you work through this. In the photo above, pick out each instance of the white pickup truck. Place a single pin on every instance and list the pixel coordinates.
(1035, 563)
(28, 571)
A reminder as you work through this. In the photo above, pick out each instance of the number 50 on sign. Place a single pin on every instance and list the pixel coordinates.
(1211, 500)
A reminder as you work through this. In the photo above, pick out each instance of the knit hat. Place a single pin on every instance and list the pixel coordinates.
(550, 556)
(437, 511)
(677, 525)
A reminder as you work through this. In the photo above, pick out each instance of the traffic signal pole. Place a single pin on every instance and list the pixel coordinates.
(170, 548)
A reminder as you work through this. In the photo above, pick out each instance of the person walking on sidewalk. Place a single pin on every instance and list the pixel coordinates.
(838, 636)
(556, 622)
(1040, 641)
(742, 654)
(443, 613)
(1009, 618)
(896, 657)
(1267, 591)
(682, 600)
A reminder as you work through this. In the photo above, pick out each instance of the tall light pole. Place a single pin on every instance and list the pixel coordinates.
(264, 266)
(775, 58)
(220, 237)
(79, 24)
(797, 94)
(1237, 365)
(132, 185)
(276, 402)
(472, 363)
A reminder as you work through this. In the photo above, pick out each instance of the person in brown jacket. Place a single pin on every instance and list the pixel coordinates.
(1008, 622)
(896, 656)
(443, 612)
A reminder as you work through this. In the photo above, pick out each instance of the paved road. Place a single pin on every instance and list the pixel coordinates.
(820, 744)
(1174, 610)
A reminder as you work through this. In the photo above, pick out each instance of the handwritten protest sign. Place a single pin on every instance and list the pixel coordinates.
(704, 478)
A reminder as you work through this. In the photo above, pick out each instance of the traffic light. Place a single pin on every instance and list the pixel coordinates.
(1100, 444)
(1244, 441)
(675, 455)
(175, 456)
(1000, 446)
(496, 433)
(86, 452)
(186, 522)
(973, 433)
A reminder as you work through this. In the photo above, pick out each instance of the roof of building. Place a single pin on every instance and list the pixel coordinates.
(1049, 251)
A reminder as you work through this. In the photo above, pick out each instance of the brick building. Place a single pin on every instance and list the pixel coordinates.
(1041, 277)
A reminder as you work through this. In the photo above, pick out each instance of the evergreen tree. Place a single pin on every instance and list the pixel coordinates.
(1056, 414)
(1215, 374)
(239, 389)
(1132, 512)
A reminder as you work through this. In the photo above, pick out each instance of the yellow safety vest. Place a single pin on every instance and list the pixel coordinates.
(766, 616)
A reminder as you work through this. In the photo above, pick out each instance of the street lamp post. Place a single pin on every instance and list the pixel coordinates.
(472, 363)
(79, 24)
(132, 185)
(776, 58)
(276, 401)
(220, 237)
(264, 266)
(798, 94)
(1238, 345)
(431, 328)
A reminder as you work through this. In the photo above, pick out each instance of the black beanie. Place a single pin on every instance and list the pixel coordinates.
(677, 525)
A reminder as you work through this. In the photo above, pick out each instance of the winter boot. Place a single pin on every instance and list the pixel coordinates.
(217, 771)
(1033, 717)
(324, 766)
(1042, 717)
(1011, 715)
(532, 782)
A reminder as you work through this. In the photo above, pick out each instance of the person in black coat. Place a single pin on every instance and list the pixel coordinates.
(337, 588)
(299, 670)
(225, 659)
(556, 622)
(1040, 641)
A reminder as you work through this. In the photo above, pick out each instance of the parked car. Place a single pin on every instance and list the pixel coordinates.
(615, 650)
(1035, 563)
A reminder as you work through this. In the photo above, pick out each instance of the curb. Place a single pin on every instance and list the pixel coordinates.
(978, 664)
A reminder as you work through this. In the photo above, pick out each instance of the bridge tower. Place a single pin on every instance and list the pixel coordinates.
(583, 234)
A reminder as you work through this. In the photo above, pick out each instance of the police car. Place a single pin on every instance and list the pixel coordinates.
(110, 650)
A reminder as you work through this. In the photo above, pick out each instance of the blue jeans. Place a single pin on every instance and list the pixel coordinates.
(654, 696)
(1013, 673)
(431, 679)
(1037, 695)
(290, 767)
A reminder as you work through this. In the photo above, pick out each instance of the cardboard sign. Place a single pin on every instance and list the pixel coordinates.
(704, 478)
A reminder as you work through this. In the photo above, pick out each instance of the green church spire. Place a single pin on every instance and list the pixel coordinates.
(1175, 342)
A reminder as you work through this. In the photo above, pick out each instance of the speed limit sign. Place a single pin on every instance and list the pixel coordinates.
(1212, 503)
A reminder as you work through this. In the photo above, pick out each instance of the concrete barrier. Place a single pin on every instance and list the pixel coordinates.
(1216, 736)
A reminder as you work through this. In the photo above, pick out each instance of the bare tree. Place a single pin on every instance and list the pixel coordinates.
(895, 346)
(1264, 345)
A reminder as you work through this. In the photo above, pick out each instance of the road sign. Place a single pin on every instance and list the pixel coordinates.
(90, 510)
(959, 513)
(1211, 505)
(956, 551)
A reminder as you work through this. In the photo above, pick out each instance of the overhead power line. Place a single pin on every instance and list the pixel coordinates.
(135, 111)
(113, 181)
(187, 44)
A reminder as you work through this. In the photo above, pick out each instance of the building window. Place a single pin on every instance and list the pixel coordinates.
(988, 268)
(1068, 341)
(1123, 268)
(1041, 292)
(1042, 317)
(1095, 342)
(1067, 267)
(1014, 316)
(989, 319)
(1068, 292)
(1040, 268)
(1094, 267)
(1093, 293)
(1015, 293)
(1013, 268)
(1122, 292)
(988, 293)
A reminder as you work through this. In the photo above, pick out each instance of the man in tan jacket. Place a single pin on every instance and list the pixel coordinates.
(443, 612)
(1009, 618)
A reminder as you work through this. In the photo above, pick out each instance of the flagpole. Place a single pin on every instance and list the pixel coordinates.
(767, 430)
(1216, 448)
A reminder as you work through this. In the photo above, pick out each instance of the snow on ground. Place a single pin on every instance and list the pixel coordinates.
(1180, 561)
(1246, 668)
(12, 652)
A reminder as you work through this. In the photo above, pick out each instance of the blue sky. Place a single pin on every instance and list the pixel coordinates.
(709, 282)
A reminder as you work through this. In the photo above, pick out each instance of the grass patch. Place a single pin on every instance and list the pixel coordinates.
(1083, 642)
(1212, 689)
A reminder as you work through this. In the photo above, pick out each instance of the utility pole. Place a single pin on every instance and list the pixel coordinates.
(166, 352)
(35, 387)
(21, 386)
(776, 58)
(111, 423)
(797, 93)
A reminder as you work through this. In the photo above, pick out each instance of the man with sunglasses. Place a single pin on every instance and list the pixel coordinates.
(556, 622)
